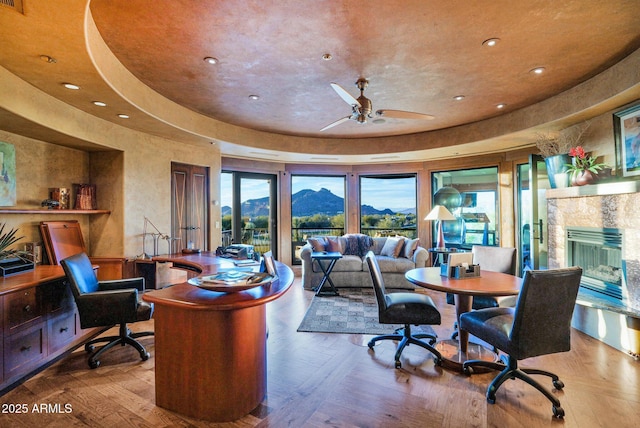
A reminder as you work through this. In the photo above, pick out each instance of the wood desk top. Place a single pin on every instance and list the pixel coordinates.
(189, 296)
(39, 275)
(487, 284)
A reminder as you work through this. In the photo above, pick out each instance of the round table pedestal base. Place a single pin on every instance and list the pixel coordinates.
(452, 357)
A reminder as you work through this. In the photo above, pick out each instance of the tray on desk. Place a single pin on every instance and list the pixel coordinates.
(231, 281)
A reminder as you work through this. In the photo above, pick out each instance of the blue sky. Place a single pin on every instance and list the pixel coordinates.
(395, 194)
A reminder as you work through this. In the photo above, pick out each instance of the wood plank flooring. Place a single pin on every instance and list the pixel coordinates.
(334, 380)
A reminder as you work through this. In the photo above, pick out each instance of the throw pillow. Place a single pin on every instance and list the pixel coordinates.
(333, 244)
(392, 247)
(410, 246)
(318, 244)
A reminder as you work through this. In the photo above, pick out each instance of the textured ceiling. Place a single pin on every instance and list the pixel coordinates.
(417, 55)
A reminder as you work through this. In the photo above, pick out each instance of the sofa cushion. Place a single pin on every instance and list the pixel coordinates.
(333, 244)
(394, 265)
(409, 248)
(392, 247)
(318, 244)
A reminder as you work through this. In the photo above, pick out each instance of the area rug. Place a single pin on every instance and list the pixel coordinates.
(354, 311)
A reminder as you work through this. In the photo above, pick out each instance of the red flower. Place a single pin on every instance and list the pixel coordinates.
(577, 152)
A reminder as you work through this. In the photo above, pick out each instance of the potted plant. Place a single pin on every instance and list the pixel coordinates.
(554, 148)
(10, 258)
(583, 167)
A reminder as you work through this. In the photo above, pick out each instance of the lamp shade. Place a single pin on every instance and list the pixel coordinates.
(439, 212)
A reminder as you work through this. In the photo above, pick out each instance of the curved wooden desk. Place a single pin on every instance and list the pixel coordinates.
(487, 284)
(210, 347)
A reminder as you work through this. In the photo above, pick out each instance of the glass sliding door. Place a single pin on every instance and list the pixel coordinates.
(532, 214)
(251, 216)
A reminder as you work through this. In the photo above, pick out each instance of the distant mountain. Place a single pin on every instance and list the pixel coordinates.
(304, 203)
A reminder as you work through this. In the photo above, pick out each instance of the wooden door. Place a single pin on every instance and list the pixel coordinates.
(189, 207)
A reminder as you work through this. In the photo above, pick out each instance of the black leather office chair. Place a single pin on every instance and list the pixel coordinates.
(106, 304)
(403, 308)
(540, 324)
(495, 259)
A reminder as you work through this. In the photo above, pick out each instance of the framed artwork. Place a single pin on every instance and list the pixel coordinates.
(626, 126)
(7, 175)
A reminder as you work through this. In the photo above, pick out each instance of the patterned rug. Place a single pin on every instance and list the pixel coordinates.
(354, 311)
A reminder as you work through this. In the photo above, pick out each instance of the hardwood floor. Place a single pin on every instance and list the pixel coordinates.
(319, 380)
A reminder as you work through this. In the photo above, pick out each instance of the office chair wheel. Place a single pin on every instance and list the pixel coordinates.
(467, 370)
(454, 335)
(558, 412)
(89, 348)
(371, 345)
(558, 384)
(94, 364)
(398, 364)
(144, 356)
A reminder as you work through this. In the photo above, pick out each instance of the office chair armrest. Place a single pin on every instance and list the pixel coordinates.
(119, 284)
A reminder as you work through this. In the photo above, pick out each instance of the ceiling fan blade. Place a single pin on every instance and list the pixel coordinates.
(346, 96)
(399, 114)
(337, 122)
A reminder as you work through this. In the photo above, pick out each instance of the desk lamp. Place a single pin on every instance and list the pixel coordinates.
(440, 213)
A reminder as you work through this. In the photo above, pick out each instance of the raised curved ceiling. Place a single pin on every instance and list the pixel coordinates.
(145, 58)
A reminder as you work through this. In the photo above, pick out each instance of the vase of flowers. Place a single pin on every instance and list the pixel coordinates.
(583, 167)
(555, 147)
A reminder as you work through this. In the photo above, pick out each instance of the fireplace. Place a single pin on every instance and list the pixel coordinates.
(599, 251)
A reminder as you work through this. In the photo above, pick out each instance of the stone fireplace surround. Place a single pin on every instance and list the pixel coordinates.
(607, 205)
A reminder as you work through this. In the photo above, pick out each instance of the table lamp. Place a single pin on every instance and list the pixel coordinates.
(440, 213)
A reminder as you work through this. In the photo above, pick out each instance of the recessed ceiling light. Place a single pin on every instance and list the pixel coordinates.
(123, 116)
(491, 42)
(537, 70)
(327, 57)
(47, 58)
(71, 86)
(254, 97)
(100, 103)
(459, 97)
(211, 60)
(501, 106)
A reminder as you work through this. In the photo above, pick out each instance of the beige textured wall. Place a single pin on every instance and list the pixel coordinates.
(40, 166)
(132, 183)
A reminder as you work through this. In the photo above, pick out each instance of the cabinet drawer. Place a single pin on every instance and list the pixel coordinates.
(21, 308)
(62, 330)
(23, 350)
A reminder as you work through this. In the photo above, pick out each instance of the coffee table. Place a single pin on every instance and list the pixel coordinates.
(454, 353)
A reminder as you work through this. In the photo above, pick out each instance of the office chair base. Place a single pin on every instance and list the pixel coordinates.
(406, 338)
(508, 368)
(124, 338)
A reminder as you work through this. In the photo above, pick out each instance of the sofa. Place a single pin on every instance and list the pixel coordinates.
(395, 255)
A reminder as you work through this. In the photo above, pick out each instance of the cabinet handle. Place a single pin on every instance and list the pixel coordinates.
(25, 348)
(27, 308)
(63, 329)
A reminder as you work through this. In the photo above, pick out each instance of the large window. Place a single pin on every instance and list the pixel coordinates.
(388, 205)
(472, 197)
(317, 208)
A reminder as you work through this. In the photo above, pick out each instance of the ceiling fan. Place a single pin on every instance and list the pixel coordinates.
(361, 108)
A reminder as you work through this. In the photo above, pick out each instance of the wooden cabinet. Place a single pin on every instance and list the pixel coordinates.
(38, 321)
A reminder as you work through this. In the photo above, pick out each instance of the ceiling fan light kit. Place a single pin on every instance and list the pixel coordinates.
(362, 107)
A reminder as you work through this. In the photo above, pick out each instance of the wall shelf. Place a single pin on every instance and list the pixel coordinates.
(46, 211)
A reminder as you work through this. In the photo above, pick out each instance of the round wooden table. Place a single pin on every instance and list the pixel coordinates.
(210, 347)
(454, 353)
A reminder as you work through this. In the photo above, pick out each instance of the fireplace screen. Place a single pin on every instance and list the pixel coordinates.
(599, 253)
